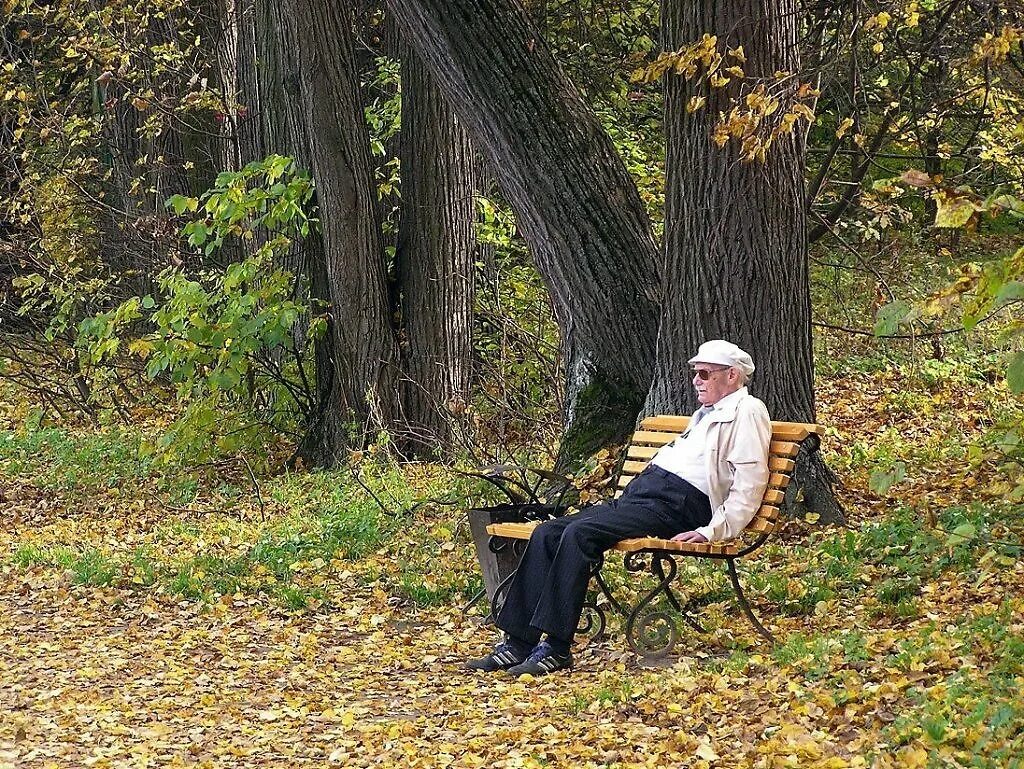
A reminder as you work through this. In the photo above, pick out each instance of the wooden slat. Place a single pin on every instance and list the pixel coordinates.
(665, 422)
(641, 452)
(633, 467)
(760, 525)
(782, 448)
(783, 431)
(650, 438)
(652, 543)
(646, 439)
(512, 530)
(773, 496)
(781, 464)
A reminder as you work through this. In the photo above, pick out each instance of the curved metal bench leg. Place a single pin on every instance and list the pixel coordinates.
(649, 630)
(593, 622)
(498, 599)
(742, 599)
(684, 609)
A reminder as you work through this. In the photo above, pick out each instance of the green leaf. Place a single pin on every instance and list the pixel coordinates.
(890, 316)
(962, 534)
(1015, 373)
(884, 479)
(148, 303)
(1010, 291)
(182, 203)
(953, 210)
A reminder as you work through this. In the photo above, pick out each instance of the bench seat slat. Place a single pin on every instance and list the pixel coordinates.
(780, 464)
(524, 530)
(651, 438)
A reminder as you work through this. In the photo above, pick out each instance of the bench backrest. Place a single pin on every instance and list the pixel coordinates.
(656, 431)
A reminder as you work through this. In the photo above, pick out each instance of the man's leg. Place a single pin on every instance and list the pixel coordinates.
(521, 600)
(656, 503)
(530, 578)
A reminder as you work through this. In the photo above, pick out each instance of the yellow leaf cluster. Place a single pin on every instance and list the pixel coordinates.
(994, 48)
(760, 121)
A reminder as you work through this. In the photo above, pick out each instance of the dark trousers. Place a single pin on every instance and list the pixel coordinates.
(548, 590)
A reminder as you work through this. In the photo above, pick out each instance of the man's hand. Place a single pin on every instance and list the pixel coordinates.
(690, 536)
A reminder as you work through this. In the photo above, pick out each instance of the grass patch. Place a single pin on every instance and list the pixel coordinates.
(58, 459)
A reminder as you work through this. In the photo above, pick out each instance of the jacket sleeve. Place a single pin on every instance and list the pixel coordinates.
(748, 463)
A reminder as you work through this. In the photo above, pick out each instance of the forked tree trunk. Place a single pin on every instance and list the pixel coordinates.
(574, 201)
(435, 264)
(735, 232)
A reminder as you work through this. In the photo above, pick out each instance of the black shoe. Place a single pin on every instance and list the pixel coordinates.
(502, 658)
(542, 660)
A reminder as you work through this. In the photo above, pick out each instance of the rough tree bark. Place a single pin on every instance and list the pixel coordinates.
(574, 201)
(735, 232)
(281, 118)
(364, 344)
(435, 263)
(299, 99)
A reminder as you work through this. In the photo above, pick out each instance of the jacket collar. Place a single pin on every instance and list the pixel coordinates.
(725, 409)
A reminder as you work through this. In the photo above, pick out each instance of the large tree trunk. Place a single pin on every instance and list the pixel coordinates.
(735, 232)
(264, 73)
(435, 263)
(364, 345)
(281, 119)
(575, 202)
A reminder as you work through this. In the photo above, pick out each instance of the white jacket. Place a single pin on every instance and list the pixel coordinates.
(736, 453)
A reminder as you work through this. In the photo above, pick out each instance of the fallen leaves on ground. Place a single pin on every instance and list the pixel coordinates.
(137, 675)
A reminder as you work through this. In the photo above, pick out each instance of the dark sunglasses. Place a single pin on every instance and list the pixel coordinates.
(704, 374)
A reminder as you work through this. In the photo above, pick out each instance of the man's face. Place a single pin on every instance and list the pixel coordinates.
(721, 381)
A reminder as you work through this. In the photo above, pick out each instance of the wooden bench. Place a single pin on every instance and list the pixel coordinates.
(650, 630)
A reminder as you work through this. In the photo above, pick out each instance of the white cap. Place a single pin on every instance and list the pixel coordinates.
(724, 353)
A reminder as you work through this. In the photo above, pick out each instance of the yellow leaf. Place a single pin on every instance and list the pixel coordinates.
(804, 111)
(695, 103)
(878, 47)
(706, 752)
(844, 127)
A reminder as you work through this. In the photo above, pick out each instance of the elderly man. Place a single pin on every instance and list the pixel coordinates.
(704, 486)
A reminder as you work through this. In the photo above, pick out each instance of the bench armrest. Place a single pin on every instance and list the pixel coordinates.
(525, 485)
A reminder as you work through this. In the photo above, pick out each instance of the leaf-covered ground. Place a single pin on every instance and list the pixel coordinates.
(150, 618)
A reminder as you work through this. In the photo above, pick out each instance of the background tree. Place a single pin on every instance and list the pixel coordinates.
(364, 344)
(435, 263)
